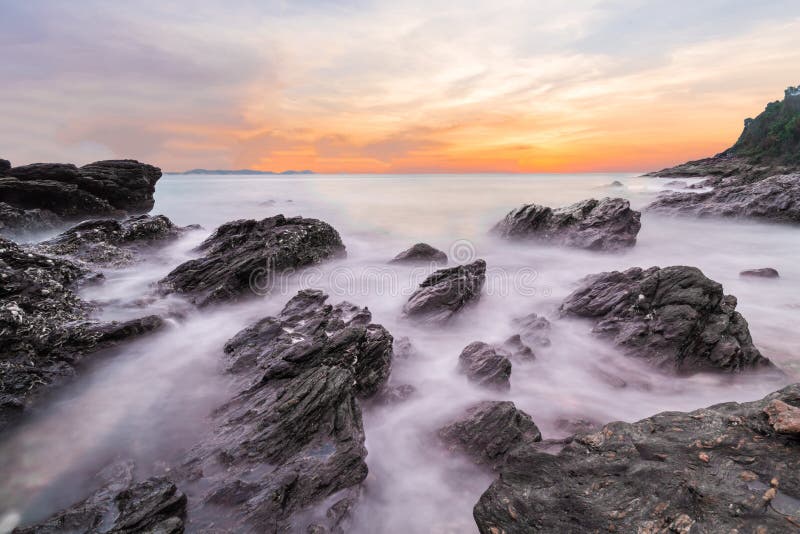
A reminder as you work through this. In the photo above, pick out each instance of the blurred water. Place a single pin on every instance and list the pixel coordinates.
(150, 400)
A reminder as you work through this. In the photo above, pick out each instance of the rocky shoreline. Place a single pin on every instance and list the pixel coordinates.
(288, 450)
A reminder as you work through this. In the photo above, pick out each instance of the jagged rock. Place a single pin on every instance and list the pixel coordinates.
(711, 470)
(395, 394)
(446, 292)
(766, 272)
(5, 166)
(126, 184)
(674, 317)
(16, 222)
(489, 430)
(404, 349)
(485, 365)
(533, 329)
(518, 349)
(776, 198)
(421, 253)
(108, 242)
(245, 257)
(45, 329)
(296, 420)
(607, 224)
(121, 507)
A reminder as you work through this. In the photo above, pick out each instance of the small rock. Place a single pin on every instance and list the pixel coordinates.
(484, 365)
(420, 253)
(446, 292)
(766, 272)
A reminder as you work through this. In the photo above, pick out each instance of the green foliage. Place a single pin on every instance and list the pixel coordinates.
(774, 136)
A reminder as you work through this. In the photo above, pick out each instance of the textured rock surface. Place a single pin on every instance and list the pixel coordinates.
(606, 224)
(19, 223)
(45, 329)
(446, 292)
(674, 317)
(108, 242)
(776, 198)
(420, 253)
(712, 470)
(766, 272)
(243, 258)
(293, 436)
(534, 329)
(485, 365)
(488, 431)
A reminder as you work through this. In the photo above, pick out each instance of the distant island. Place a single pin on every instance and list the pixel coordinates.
(251, 172)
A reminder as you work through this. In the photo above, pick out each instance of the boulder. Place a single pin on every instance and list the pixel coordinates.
(485, 365)
(489, 430)
(446, 292)
(245, 257)
(291, 438)
(5, 166)
(719, 469)
(533, 329)
(607, 224)
(420, 253)
(766, 272)
(776, 199)
(674, 317)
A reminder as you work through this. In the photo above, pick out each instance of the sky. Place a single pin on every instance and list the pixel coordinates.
(362, 86)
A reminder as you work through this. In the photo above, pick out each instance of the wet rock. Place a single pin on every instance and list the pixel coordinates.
(19, 223)
(446, 292)
(404, 349)
(607, 224)
(784, 418)
(396, 394)
(488, 431)
(292, 435)
(45, 329)
(485, 365)
(710, 470)
(534, 329)
(776, 198)
(5, 166)
(245, 257)
(678, 184)
(577, 425)
(616, 183)
(766, 272)
(673, 317)
(518, 349)
(420, 253)
(108, 242)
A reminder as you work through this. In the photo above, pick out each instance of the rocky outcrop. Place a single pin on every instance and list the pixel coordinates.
(776, 198)
(45, 329)
(446, 292)
(245, 257)
(674, 317)
(5, 166)
(420, 253)
(108, 242)
(292, 437)
(485, 365)
(489, 431)
(533, 329)
(765, 272)
(104, 188)
(25, 224)
(607, 224)
(121, 506)
(721, 469)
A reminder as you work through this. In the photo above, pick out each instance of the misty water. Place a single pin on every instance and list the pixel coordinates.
(150, 400)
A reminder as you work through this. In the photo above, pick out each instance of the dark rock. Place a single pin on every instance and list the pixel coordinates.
(108, 242)
(246, 256)
(126, 184)
(5, 166)
(776, 198)
(16, 222)
(121, 507)
(488, 432)
(534, 329)
(607, 224)
(577, 425)
(711, 470)
(616, 183)
(66, 200)
(292, 437)
(766, 272)
(421, 253)
(518, 349)
(674, 317)
(446, 292)
(45, 329)
(485, 365)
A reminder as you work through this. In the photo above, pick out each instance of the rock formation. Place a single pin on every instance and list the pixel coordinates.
(420, 253)
(485, 365)
(446, 292)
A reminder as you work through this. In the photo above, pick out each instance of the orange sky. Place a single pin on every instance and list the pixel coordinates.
(360, 86)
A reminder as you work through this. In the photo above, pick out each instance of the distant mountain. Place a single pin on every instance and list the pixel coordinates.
(768, 145)
(249, 172)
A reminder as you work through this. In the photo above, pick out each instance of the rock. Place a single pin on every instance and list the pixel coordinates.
(121, 507)
(673, 317)
(16, 222)
(607, 224)
(710, 470)
(5, 166)
(446, 292)
(485, 365)
(395, 394)
(245, 257)
(291, 437)
(421, 253)
(489, 430)
(534, 329)
(616, 183)
(45, 329)
(776, 199)
(518, 349)
(108, 242)
(404, 349)
(678, 184)
(126, 184)
(766, 272)
(784, 418)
